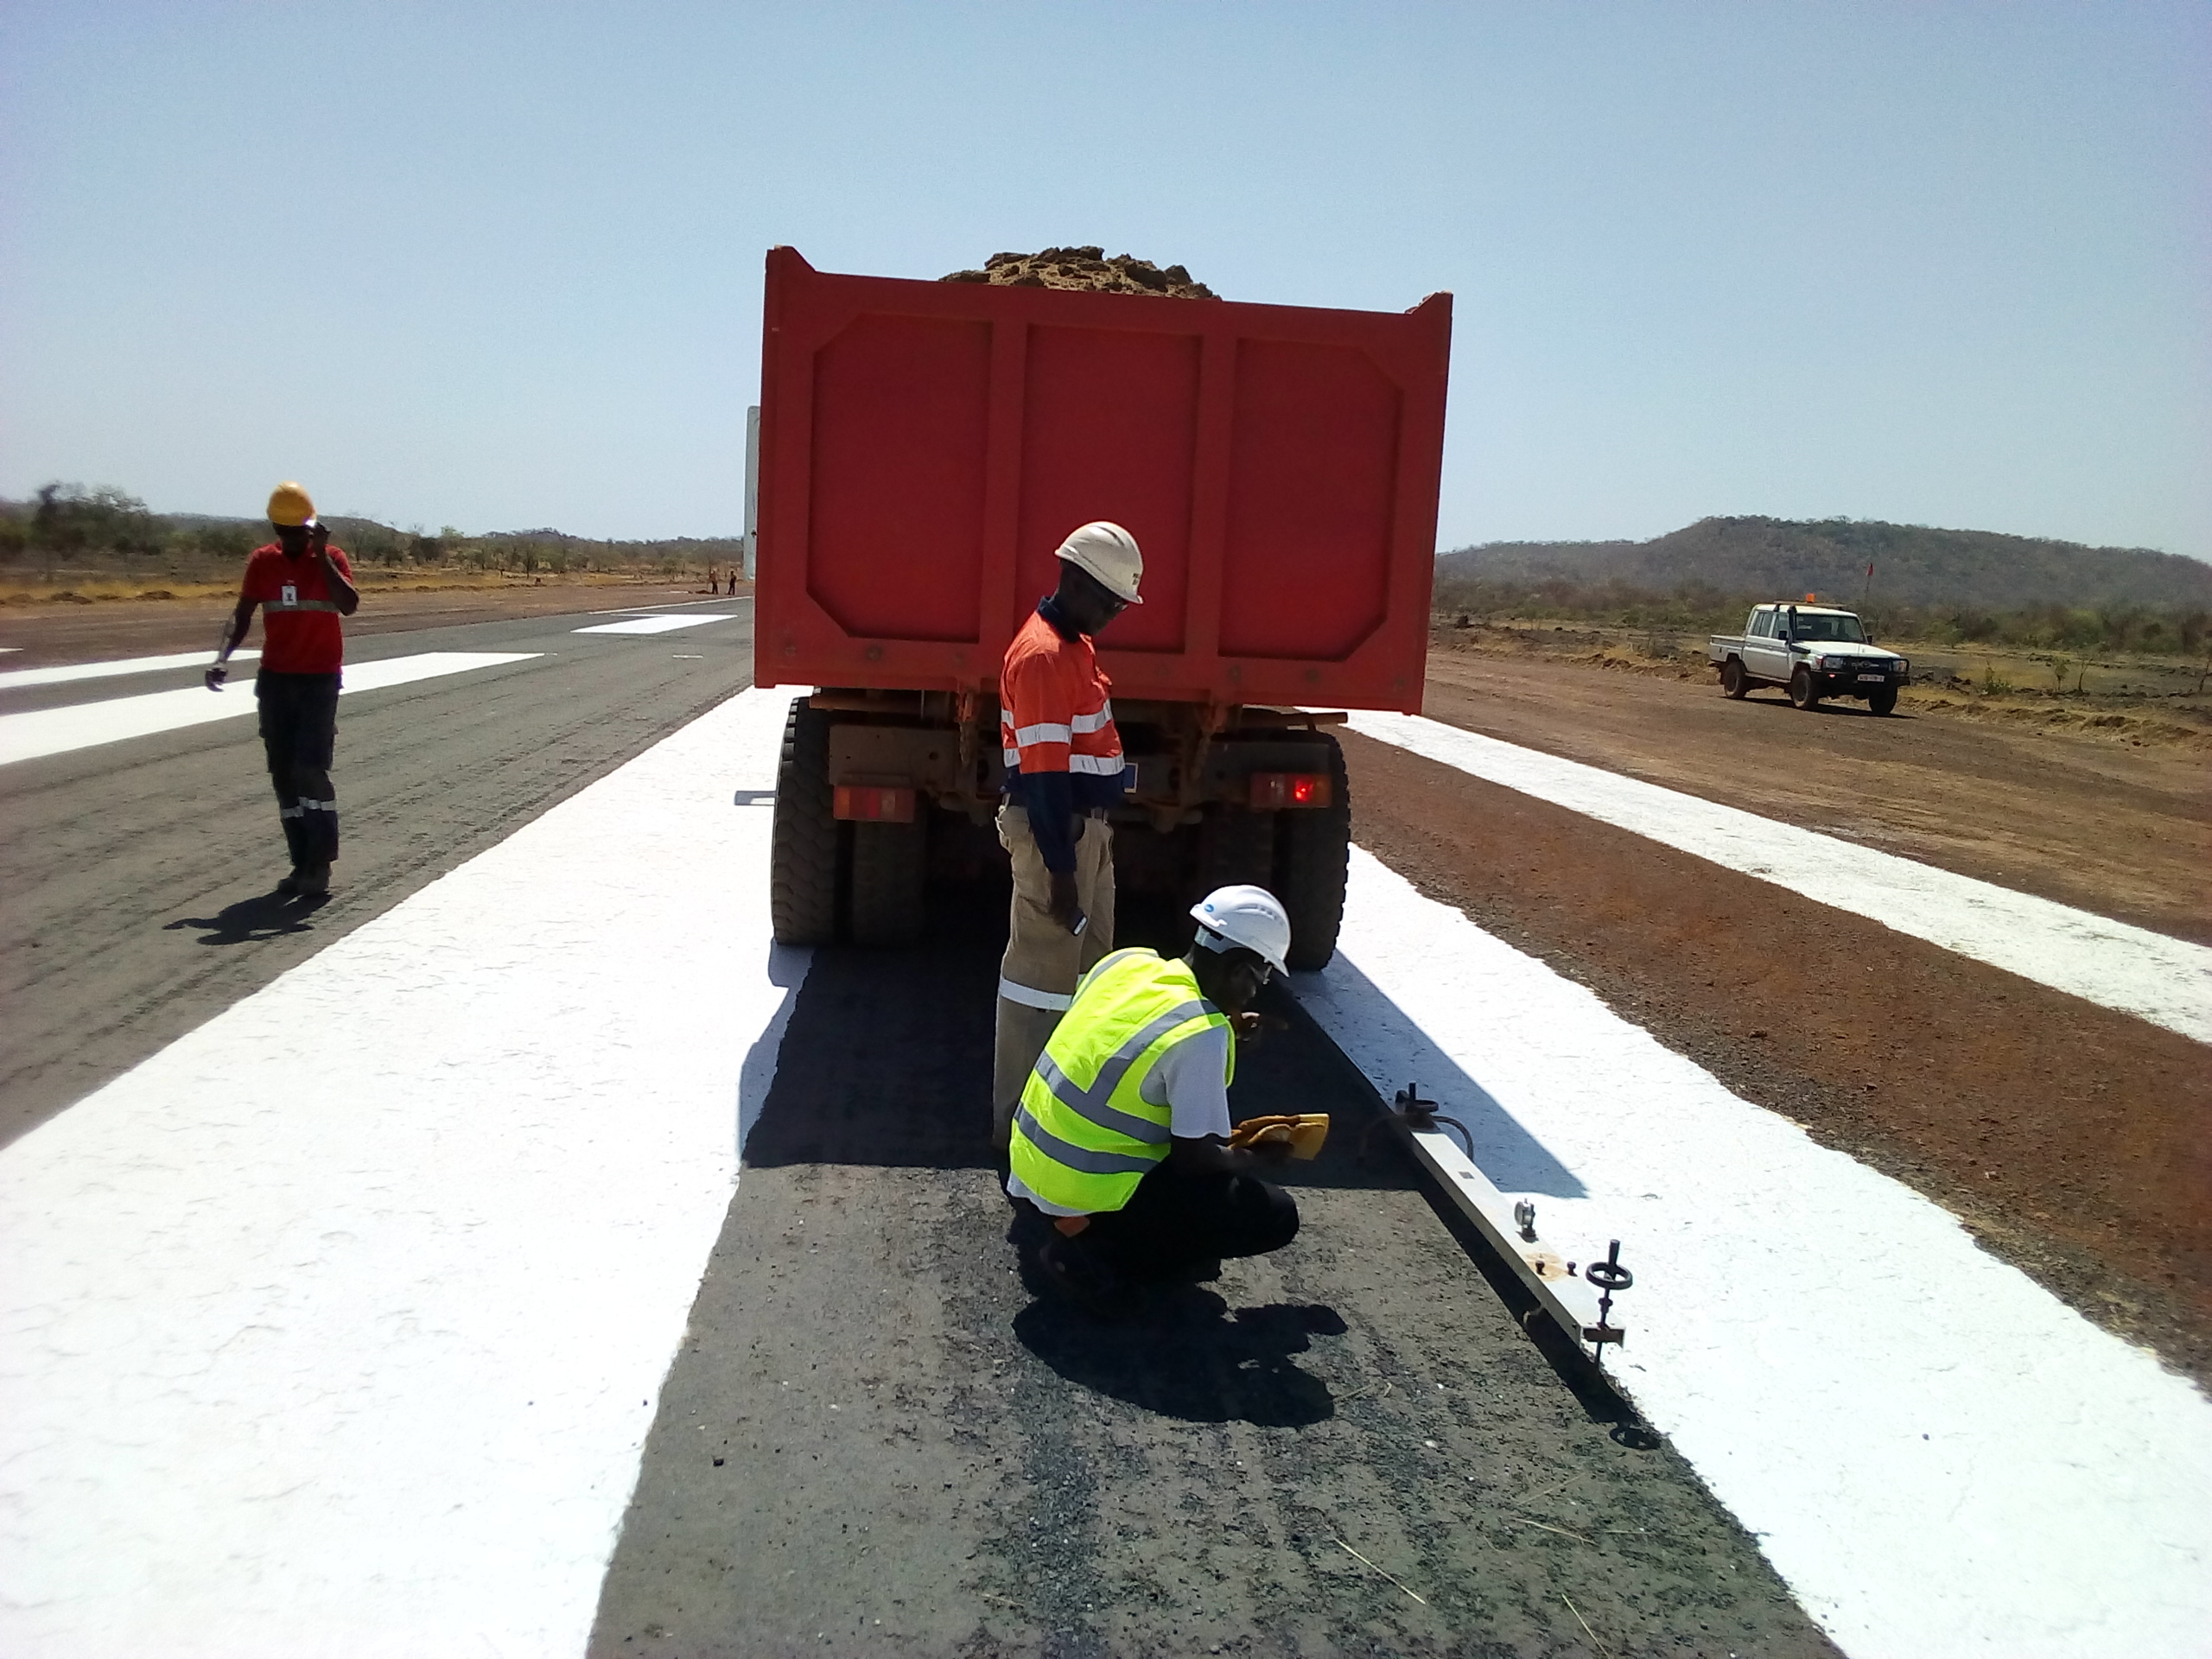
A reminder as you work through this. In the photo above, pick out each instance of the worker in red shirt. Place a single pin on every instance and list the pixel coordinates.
(305, 585)
(1063, 772)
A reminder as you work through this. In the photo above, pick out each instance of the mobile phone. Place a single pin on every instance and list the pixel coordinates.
(1082, 921)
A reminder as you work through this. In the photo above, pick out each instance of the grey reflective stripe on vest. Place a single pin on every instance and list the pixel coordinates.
(1091, 1163)
(1096, 1111)
(299, 605)
(1091, 1103)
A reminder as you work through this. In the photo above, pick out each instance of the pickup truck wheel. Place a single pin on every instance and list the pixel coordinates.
(1312, 851)
(1801, 695)
(803, 839)
(1734, 681)
(890, 871)
(1883, 702)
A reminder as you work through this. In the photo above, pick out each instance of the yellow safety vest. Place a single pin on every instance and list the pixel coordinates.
(1085, 1135)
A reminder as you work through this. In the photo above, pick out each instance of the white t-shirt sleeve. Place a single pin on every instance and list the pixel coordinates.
(1192, 1080)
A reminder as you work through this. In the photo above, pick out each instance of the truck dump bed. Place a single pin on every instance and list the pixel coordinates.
(925, 446)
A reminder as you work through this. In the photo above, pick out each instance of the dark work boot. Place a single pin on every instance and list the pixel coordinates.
(1085, 1278)
(311, 881)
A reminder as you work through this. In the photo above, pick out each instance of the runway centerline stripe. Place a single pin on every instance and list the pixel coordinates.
(653, 624)
(86, 725)
(338, 1322)
(1938, 1455)
(2154, 976)
(12, 678)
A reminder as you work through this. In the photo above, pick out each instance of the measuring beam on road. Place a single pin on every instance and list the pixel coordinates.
(15, 678)
(86, 725)
(2153, 977)
(655, 624)
(1554, 1278)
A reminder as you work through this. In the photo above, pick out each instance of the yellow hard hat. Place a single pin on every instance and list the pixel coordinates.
(288, 505)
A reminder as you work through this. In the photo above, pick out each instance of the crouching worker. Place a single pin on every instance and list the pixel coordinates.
(1121, 1138)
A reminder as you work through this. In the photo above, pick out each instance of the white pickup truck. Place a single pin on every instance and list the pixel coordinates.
(1812, 652)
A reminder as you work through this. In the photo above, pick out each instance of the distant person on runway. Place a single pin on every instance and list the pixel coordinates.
(306, 585)
(1120, 1142)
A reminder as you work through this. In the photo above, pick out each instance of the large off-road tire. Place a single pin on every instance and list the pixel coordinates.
(1734, 682)
(890, 871)
(1234, 846)
(1312, 853)
(1801, 695)
(1883, 702)
(802, 841)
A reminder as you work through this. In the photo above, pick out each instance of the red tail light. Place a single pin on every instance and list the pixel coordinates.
(1276, 791)
(866, 804)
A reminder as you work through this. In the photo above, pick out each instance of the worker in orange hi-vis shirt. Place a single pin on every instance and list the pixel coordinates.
(1063, 772)
(305, 585)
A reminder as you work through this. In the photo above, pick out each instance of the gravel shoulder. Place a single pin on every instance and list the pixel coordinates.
(2124, 832)
(2067, 1137)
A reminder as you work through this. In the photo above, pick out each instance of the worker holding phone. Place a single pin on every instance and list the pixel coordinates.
(304, 585)
(1064, 772)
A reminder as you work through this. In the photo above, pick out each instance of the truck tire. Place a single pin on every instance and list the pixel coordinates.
(802, 837)
(890, 871)
(1235, 845)
(1312, 853)
(1801, 695)
(1734, 681)
(1883, 702)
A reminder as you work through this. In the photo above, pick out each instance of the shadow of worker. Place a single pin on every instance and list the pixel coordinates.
(264, 916)
(1189, 1354)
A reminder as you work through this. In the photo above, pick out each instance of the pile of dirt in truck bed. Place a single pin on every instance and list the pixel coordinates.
(1088, 268)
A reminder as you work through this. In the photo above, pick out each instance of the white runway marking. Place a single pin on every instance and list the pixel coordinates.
(1939, 1456)
(653, 624)
(13, 677)
(86, 725)
(2163, 980)
(334, 1328)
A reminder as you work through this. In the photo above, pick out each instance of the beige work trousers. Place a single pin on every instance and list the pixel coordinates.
(1043, 960)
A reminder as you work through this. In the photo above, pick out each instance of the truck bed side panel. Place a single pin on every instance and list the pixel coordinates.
(925, 445)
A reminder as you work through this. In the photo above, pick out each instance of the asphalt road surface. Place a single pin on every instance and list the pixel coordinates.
(140, 874)
(875, 1438)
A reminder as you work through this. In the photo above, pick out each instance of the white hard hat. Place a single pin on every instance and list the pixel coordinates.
(1110, 553)
(1249, 916)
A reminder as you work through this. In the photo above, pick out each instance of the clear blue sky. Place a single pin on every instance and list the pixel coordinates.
(499, 266)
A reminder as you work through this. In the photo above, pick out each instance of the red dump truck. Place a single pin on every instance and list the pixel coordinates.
(925, 446)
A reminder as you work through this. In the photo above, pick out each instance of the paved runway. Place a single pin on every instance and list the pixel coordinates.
(140, 873)
(389, 1284)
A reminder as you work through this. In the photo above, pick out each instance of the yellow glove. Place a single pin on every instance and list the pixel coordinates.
(1303, 1132)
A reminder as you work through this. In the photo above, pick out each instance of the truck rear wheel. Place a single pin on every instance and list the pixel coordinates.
(1801, 695)
(1235, 845)
(890, 871)
(1312, 853)
(1734, 681)
(802, 838)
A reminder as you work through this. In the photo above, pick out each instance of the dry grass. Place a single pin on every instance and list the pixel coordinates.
(2127, 698)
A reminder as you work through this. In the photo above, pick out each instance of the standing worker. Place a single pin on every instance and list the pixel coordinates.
(307, 585)
(1063, 773)
(1120, 1138)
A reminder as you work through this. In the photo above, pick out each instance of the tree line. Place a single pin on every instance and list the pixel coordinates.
(72, 527)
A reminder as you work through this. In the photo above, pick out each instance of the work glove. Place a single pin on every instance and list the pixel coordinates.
(217, 673)
(1300, 1134)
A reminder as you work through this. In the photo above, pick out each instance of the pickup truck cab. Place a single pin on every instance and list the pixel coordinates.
(1812, 651)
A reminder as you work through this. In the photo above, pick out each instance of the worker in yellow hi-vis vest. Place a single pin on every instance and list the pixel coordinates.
(1120, 1136)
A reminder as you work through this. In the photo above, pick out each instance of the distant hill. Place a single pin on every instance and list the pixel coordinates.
(1913, 565)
